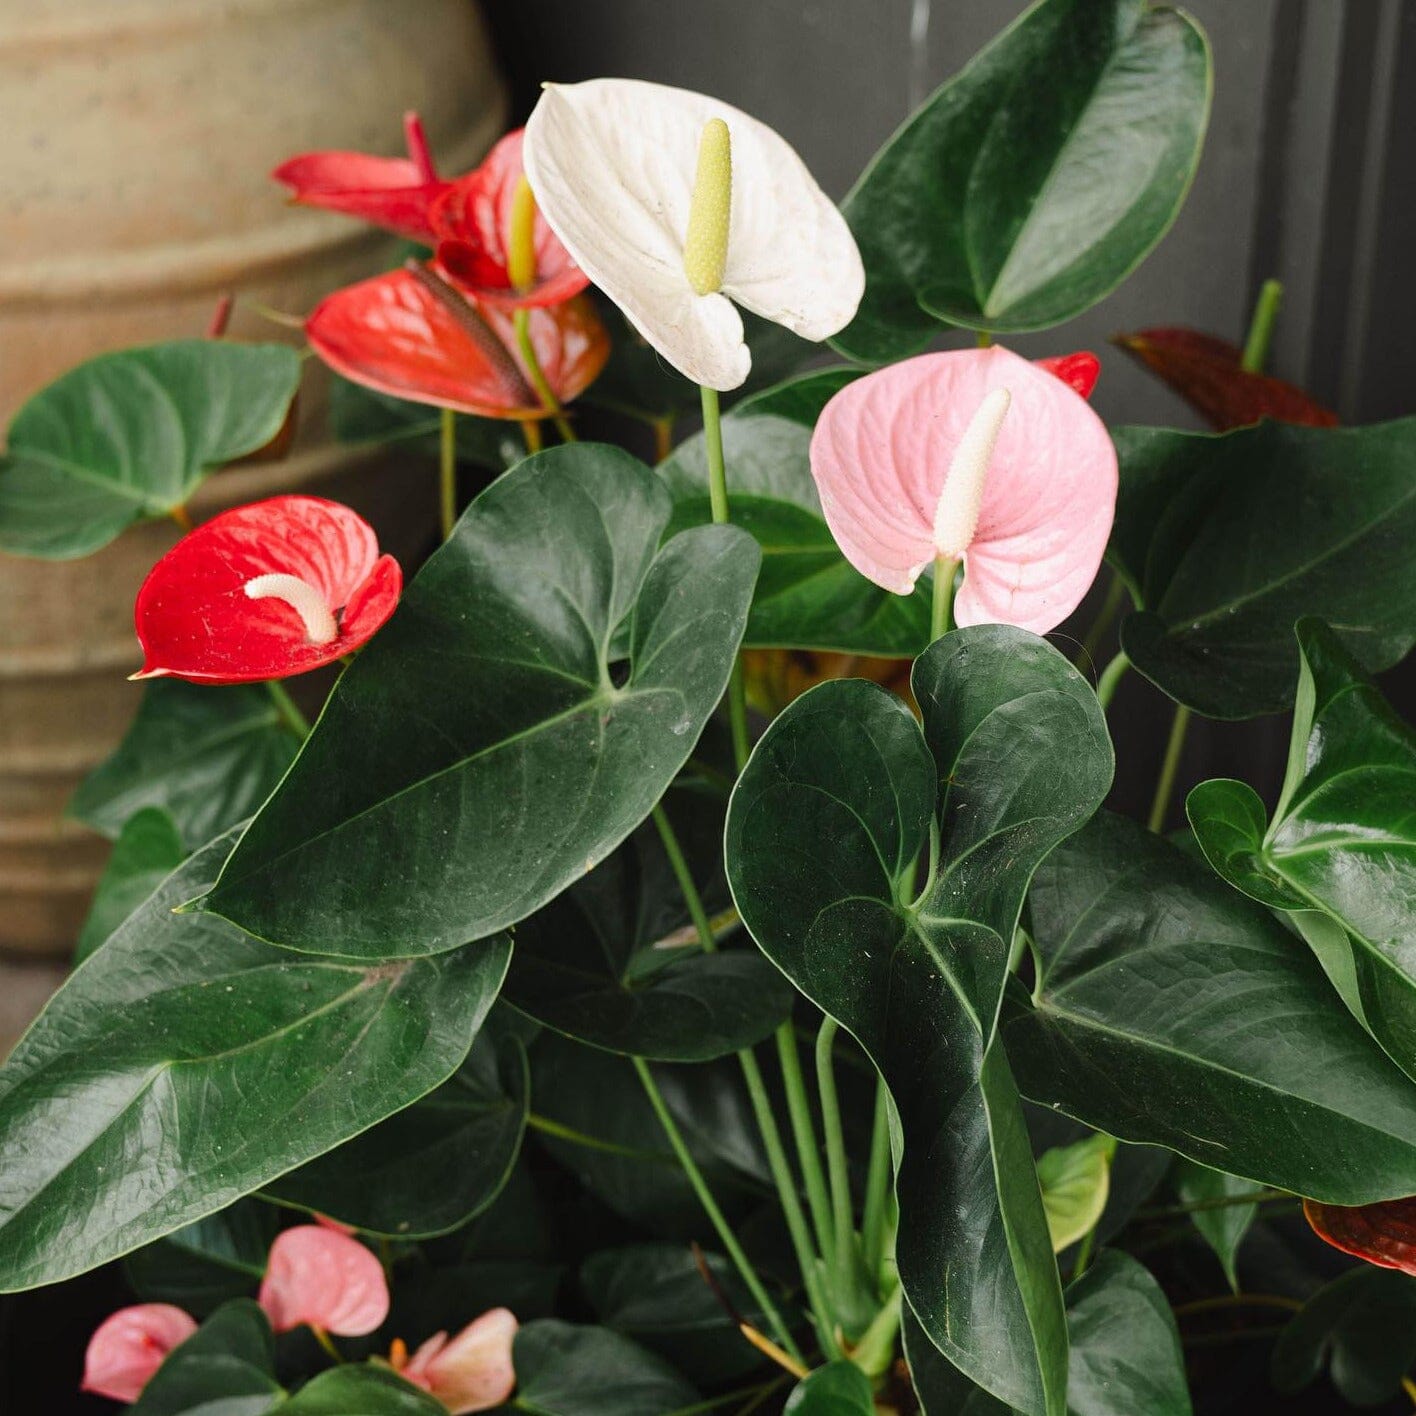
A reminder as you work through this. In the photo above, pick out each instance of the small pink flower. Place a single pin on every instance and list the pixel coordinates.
(976, 456)
(473, 1371)
(324, 1278)
(127, 1348)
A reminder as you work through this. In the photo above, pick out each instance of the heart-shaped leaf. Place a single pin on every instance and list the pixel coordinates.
(799, 400)
(808, 596)
(1034, 181)
(132, 435)
(1172, 1010)
(611, 963)
(148, 850)
(186, 1064)
(364, 1390)
(207, 1263)
(207, 756)
(226, 1368)
(826, 825)
(1221, 1222)
(1226, 540)
(838, 1389)
(480, 754)
(1342, 842)
(566, 1370)
(1076, 1183)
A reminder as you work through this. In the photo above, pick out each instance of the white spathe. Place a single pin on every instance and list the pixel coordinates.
(612, 164)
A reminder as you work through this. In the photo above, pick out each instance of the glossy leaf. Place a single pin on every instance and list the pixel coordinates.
(800, 399)
(148, 850)
(838, 1389)
(1075, 1183)
(131, 435)
(205, 1264)
(1226, 540)
(363, 1390)
(1362, 1327)
(808, 596)
(479, 756)
(186, 1064)
(1172, 1010)
(207, 756)
(566, 1370)
(1342, 842)
(824, 830)
(598, 965)
(432, 1166)
(1035, 180)
(226, 1368)
(1221, 1225)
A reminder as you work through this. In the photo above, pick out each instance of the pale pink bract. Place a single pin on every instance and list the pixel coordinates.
(881, 452)
(319, 1276)
(473, 1371)
(127, 1348)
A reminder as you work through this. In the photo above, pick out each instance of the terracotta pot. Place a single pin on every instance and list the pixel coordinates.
(138, 136)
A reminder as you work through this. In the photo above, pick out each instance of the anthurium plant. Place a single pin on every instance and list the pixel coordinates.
(686, 962)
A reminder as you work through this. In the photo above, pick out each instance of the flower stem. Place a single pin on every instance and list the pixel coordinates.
(290, 715)
(531, 431)
(1110, 608)
(1260, 336)
(1160, 805)
(521, 322)
(663, 436)
(984, 339)
(942, 616)
(844, 1238)
(804, 1133)
(877, 1183)
(327, 1342)
(1238, 1300)
(710, 1208)
(1111, 675)
(182, 517)
(447, 472)
(1084, 1253)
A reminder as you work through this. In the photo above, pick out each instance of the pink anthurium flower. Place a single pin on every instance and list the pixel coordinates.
(127, 1348)
(486, 220)
(410, 334)
(472, 1372)
(393, 192)
(263, 592)
(321, 1277)
(975, 456)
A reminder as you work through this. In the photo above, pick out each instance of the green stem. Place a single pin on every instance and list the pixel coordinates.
(327, 1342)
(447, 471)
(1251, 1197)
(1084, 1253)
(1110, 608)
(290, 714)
(804, 1134)
(1256, 345)
(684, 876)
(877, 1183)
(984, 339)
(942, 617)
(1160, 806)
(710, 1208)
(1111, 675)
(844, 1236)
(521, 323)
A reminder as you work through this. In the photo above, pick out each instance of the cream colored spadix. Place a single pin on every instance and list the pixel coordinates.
(956, 515)
(705, 247)
(303, 598)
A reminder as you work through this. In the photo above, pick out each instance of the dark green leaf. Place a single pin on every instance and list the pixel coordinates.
(824, 831)
(799, 400)
(565, 1370)
(808, 596)
(1172, 1010)
(226, 1368)
(205, 1264)
(478, 756)
(148, 850)
(1227, 539)
(595, 964)
(837, 1389)
(208, 756)
(1362, 1326)
(360, 1391)
(132, 435)
(1341, 849)
(186, 1064)
(1035, 180)
(1221, 1225)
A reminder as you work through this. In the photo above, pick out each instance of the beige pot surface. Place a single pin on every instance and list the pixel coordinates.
(138, 136)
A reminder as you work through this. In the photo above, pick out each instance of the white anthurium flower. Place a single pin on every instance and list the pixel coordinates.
(636, 180)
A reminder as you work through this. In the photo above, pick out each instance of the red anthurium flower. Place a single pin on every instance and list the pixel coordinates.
(1384, 1234)
(393, 192)
(127, 1348)
(1204, 370)
(470, 1372)
(410, 334)
(319, 1276)
(481, 220)
(263, 592)
(1078, 371)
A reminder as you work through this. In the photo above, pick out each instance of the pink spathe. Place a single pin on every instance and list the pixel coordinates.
(473, 1371)
(319, 1276)
(127, 1348)
(882, 452)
